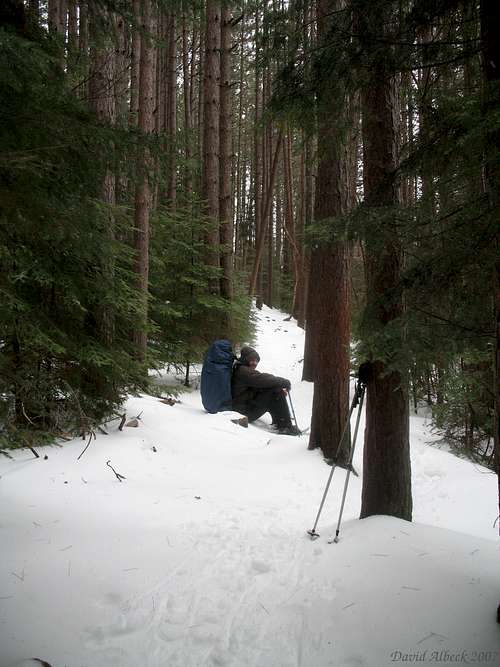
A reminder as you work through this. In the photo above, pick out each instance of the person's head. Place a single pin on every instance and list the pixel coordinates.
(249, 356)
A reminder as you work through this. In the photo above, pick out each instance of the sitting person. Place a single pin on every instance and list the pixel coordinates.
(255, 393)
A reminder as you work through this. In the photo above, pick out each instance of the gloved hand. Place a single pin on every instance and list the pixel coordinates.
(287, 385)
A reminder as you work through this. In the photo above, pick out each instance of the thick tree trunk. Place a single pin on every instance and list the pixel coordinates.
(143, 187)
(225, 208)
(387, 473)
(211, 110)
(330, 311)
(331, 307)
(490, 43)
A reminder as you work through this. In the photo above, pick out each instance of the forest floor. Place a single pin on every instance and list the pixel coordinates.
(200, 555)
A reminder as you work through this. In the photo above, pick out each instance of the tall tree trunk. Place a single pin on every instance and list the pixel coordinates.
(259, 245)
(53, 16)
(490, 43)
(186, 90)
(171, 110)
(290, 218)
(143, 187)
(72, 35)
(135, 66)
(308, 366)
(101, 320)
(211, 109)
(331, 275)
(83, 47)
(33, 12)
(63, 18)
(386, 468)
(225, 209)
(121, 93)
(300, 299)
(240, 157)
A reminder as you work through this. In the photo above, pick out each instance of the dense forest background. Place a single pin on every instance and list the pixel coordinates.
(163, 163)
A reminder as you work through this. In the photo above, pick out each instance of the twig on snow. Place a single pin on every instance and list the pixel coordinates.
(118, 476)
(87, 445)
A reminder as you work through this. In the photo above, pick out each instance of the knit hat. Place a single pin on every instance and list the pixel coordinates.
(248, 353)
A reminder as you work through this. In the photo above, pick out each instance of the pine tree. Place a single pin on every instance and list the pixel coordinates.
(387, 474)
(329, 280)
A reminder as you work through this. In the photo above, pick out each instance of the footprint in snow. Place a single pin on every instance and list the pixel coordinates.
(260, 567)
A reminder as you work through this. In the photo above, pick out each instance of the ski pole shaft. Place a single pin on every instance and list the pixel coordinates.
(293, 411)
(349, 467)
(312, 532)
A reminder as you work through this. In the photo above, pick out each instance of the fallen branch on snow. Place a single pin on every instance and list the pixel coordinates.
(118, 476)
(87, 445)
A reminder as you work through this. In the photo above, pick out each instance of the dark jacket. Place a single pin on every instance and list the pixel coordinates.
(248, 382)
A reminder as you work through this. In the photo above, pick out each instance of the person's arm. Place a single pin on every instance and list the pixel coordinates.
(258, 380)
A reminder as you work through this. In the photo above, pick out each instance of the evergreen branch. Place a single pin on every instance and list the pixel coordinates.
(479, 332)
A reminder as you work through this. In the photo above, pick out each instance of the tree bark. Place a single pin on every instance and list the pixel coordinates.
(225, 209)
(490, 46)
(259, 247)
(135, 66)
(258, 184)
(186, 90)
(63, 18)
(143, 187)
(211, 110)
(386, 468)
(53, 16)
(171, 110)
(308, 367)
(300, 299)
(331, 275)
(72, 35)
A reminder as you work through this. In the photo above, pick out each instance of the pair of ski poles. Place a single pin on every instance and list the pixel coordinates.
(359, 395)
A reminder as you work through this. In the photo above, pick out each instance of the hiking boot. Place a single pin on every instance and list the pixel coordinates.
(289, 430)
(242, 421)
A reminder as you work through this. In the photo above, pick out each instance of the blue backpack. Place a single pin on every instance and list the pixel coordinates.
(216, 377)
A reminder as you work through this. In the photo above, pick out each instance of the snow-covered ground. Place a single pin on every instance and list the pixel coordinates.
(201, 557)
